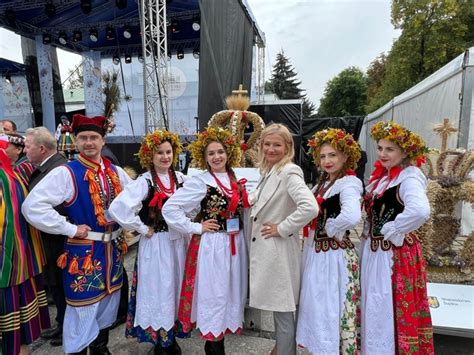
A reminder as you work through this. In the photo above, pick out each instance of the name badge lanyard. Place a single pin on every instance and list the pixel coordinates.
(233, 197)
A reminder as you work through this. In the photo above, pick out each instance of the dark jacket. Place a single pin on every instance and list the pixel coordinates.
(53, 244)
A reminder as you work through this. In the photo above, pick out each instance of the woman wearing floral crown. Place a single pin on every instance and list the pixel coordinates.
(395, 315)
(159, 266)
(330, 283)
(215, 280)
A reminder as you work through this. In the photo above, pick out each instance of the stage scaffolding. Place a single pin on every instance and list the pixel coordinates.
(155, 63)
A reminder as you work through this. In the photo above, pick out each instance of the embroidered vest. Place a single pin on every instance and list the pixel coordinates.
(381, 210)
(330, 208)
(86, 287)
(152, 216)
(214, 206)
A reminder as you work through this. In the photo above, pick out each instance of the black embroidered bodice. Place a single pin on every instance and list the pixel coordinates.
(152, 216)
(214, 206)
(330, 208)
(381, 210)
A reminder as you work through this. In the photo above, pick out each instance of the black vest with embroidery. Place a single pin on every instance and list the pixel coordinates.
(330, 208)
(215, 206)
(152, 216)
(383, 209)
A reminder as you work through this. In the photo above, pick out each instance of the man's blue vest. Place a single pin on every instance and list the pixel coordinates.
(105, 277)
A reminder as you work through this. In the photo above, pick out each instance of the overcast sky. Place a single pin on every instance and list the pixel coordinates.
(321, 38)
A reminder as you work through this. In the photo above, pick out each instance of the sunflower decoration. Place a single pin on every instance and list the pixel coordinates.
(152, 141)
(215, 134)
(411, 143)
(339, 140)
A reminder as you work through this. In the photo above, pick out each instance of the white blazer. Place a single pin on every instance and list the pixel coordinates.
(283, 198)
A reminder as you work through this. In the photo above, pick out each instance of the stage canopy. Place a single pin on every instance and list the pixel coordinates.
(114, 25)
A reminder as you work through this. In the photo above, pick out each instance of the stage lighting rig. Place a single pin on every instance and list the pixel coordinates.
(121, 4)
(128, 58)
(62, 38)
(47, 39)
(8, 79)
(110, 33)
(116, 59)
(180, 54)
(196, 24)
(93, 35)
(196, 53)
(86, 6)
(140, 58)
(127, 32)
(50, 9)
(77, 36)
(175, 26)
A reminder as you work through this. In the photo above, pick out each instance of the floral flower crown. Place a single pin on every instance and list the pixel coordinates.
(339, 140)
(152, 141)
(411, 143)
(215, 134)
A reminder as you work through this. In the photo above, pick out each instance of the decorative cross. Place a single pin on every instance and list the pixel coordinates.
(240, 92)
(444, 129)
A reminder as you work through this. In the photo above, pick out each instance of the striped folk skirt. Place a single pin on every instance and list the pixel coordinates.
(23, 314)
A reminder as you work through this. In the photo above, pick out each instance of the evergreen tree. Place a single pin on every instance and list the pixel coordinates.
(285, 85)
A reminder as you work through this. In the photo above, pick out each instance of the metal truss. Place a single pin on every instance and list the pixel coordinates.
(155, 63)
(260, 70)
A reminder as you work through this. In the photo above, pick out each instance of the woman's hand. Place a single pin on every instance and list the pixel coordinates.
(150, 232)
(269, 230)
(210, 225)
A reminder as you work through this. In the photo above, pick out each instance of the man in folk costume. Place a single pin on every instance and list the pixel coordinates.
(92, 260)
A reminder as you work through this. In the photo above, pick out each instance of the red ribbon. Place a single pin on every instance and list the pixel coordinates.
(233, 249)
(157, 199)
(245, 197)
(380, 171)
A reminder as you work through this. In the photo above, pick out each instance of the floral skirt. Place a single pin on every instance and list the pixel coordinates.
(161, 336)
(394, 304)
(23, 314)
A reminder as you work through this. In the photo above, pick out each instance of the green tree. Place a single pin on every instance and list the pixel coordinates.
(345, 94)
(433, 33)
(285, 85)
(75, 79)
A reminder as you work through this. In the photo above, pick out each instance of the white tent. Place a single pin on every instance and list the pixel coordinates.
(447, 93)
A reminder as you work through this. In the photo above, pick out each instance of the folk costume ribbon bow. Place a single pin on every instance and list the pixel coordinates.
(157, 199)
(380, 171)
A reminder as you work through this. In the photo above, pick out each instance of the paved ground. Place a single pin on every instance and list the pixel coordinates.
(251, 342)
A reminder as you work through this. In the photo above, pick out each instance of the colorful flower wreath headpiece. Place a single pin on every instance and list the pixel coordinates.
(215, 134)
(152, 141)
(411, 143)
(339, 140)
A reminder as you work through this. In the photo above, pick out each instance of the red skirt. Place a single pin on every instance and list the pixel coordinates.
(413, 328)
(23, 314)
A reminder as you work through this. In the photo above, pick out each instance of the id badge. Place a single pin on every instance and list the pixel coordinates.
(232, 225)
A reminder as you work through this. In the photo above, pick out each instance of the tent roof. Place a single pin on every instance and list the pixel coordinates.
(29, 18)
(452, 68)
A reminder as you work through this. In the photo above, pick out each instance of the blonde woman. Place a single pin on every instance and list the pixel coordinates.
(282, 205)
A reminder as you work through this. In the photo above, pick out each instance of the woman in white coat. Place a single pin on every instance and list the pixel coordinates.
(330, 290)
(215, 278)
(159, 267)
(282, 205)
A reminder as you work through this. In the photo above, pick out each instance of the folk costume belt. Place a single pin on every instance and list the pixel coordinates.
(103, 237)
